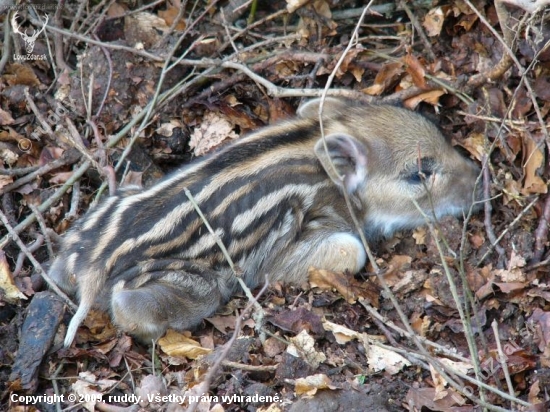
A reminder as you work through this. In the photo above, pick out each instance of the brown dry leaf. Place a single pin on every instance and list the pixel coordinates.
(511, 286)
(293, 5)
(5, 180)
(421, 325)
(311, 384)
(350, 288)
(298, 320)
(475, 145)
(11, 292)
(476, 240)
(116, 10)
(98, 327)
(396, 266)
(273, 347)
(308, 25)
(5, 118)
(303, 346)
(433, 22)
(178, 345)
(212, 131)
(431, 97)
(381, 359)
(533, 183)
(223, 323)
(21, 74)
(425, 397)
(170, 14)
(238, 117)
(510, 275)
(9, 155)
(279, 109)
(516, 260)
(348, 65)
(545, 358)
(511, 189)
(227, 322)
(143, 29)
(327, 280)
(150, 386)
(415, 68)
(342, 334)
(167, 129)
(86, 388)
(439, 384)
(419, 235)
(541, 320)
(467, 21)
(386, 77)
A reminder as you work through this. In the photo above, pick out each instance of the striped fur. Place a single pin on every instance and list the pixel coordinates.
(275, 200)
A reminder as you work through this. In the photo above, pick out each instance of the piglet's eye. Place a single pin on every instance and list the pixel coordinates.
(417, 177)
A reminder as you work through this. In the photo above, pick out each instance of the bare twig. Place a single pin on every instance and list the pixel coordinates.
(6, 52)
(508, 228)
(541, 233)
(69, 157)
(502, 361)
(44, 229)
(205, 384)
(488, 209)
(38, 267)
(419, 30)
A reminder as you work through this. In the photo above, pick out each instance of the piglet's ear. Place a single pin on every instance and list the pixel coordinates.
(332, 105)
(348, 157)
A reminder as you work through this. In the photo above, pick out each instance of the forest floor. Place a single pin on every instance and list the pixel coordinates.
(452, 317)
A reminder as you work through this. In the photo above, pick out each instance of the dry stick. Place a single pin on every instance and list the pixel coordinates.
(506, 46)
(20, 171)
(38, 267)
(6, 52)
(541, 233)
(388, 323)
(205, 384)
(157, 97)
(419, 29)
(253, 26)
(513, 124)
(488, 208)
(469, 337)
(113, 46)
(109, 79)
(502, 360)
(523, 72)
(97, 16)
(43, 228)
(179, 16)
(429, 359)
(33, 247)
(468, 333)
(250, 368)
(508, 228)
(67, 159)
(504, 19)
(58, 40)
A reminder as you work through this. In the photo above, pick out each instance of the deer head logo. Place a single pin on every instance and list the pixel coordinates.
(29, 40)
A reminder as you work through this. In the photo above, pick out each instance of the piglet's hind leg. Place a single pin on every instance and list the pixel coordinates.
(152, 302)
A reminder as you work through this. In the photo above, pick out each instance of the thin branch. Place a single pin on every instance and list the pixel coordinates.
(38, 267)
